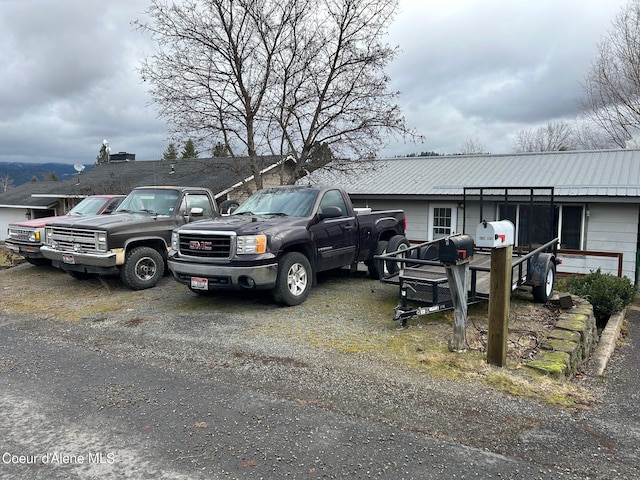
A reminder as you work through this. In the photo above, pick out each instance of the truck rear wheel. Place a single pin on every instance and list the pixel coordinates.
(397, 243)
(143, 268)
(376, 267)
(294, 279)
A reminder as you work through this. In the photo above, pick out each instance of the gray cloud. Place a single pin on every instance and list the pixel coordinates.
(488, 69)
(467, 69)
(69, 79)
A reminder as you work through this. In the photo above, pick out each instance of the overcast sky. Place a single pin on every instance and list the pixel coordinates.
(478, 70)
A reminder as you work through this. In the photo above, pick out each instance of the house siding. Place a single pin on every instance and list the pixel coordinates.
(10, 215)
(610, 228)
(613, 228)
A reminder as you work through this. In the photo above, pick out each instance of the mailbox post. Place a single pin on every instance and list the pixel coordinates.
(455, 253)
(499, 236)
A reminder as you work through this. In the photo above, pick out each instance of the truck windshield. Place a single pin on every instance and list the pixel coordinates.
(88, 206)
(279, 201)
(160, 202)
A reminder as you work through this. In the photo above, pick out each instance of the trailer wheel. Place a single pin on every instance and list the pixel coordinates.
(542, 293)
(143, 268)
(397, 243)
(294, 279)
(376, 267)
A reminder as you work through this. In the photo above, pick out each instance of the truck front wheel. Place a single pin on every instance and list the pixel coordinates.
(294, 279)
(143, 268)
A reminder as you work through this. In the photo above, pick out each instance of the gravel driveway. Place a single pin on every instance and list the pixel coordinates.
(339, 352)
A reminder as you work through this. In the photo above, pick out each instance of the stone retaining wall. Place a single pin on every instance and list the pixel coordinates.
(570, 343)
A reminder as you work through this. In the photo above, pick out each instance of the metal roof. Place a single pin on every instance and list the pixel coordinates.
(597, 173)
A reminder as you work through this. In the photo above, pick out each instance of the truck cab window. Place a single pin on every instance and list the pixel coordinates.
(333, 198)
(196, 200)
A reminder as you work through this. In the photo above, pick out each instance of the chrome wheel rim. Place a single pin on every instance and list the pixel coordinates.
(145, 269)
(297, 279)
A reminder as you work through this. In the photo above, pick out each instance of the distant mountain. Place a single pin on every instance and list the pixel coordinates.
(22, 173)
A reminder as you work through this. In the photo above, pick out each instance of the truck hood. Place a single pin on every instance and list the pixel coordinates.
(41, 222)
(247, 224)
(113, 221)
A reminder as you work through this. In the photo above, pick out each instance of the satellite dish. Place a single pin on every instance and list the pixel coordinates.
(78, 167)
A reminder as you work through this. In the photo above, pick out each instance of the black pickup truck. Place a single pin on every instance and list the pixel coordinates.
(133, 241)
(279, 238)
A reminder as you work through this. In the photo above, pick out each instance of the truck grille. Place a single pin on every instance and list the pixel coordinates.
(74, 240)
(19, 234)
(205, 245)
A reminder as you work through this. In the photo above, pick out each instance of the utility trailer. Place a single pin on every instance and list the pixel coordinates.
(420, 273)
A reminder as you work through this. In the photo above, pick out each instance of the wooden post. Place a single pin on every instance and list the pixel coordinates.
(499, 300)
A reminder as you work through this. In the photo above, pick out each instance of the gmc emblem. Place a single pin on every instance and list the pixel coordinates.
(196, 245)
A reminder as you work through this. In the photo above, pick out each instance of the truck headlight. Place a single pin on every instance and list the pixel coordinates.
(102, 241)
(48, 234)
(251, 244)
(34, 236)
(174, 241)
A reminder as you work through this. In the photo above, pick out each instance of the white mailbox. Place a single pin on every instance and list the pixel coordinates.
(495, 234)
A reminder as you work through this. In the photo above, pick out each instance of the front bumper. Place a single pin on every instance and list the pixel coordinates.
(25, 249)
(81, 262)
(223, 276)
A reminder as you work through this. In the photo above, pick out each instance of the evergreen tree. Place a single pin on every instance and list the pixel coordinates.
(220, 150)
(171, 153)
(103, 154)
(189, 150)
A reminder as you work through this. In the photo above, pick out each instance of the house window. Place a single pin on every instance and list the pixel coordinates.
(537, 224)
(441, 222)
(571, 230)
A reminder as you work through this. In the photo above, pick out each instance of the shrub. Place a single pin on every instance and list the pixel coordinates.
(606, 293)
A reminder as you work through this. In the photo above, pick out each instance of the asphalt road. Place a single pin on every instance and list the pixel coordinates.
(80, 402)
(140, 421)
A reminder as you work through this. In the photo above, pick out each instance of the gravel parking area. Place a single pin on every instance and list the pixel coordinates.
(339, 351)
(340, 348)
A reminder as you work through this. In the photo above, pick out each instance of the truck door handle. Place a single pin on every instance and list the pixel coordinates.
(348, 226)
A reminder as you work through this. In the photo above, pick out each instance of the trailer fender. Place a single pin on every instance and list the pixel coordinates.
(541, 275)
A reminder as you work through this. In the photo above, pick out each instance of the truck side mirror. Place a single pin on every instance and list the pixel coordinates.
(330, 212)
(196, 212)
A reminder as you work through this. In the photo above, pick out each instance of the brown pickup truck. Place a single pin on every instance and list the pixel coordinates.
(134, 241)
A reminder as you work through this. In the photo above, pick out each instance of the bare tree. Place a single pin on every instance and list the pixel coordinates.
(589, 136)
(472, 146)
(555, 136)
(5, 182)
(275, 77)
(612, 85)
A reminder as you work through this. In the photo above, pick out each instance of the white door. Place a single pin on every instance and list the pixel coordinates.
(443, 219)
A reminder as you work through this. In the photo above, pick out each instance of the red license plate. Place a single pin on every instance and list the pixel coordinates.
(198, 283)
(67, 258)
